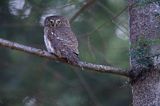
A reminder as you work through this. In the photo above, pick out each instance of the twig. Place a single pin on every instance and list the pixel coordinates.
(106, 22)
(43, 53)
(85, 6)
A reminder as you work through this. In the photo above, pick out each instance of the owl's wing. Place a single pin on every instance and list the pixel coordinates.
(66, 38)
(65, 44)
(69, 39)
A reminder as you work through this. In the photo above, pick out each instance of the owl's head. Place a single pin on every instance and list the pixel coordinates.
(56, 21)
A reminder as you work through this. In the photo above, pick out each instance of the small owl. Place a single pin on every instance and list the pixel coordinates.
(60, 40)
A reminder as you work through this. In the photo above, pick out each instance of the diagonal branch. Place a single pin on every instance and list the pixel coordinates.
(43, 53)
(85, 6)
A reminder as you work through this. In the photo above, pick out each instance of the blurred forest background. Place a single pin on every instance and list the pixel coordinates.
(28, 80)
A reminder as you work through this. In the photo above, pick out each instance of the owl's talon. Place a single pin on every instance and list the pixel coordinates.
(51, 53)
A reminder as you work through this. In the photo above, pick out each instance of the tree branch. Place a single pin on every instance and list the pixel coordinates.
(43, 53)
(85, 6)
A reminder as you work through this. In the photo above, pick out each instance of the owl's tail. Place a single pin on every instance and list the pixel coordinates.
(71, 57)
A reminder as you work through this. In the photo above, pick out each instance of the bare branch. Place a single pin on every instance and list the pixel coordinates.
(85, 6)
(43, 53)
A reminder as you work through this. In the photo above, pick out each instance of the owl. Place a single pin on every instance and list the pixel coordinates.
(60, 40)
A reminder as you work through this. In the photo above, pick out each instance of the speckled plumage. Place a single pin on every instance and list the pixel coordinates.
(60, 39)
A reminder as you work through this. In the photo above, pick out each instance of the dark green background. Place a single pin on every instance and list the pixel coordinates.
(25, 77)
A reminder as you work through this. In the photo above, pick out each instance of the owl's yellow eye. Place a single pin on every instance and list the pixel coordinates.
(52, 22)
(58, 22)
(55, 23)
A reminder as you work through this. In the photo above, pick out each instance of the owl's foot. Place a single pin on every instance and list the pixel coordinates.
(51, 53)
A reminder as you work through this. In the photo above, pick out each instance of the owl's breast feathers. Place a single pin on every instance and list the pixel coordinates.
(64, 44)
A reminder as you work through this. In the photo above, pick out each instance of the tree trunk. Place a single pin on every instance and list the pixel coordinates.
(145, 51)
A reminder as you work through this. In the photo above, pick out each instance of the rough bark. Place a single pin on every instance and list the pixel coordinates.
(145, 51)
(146, 92)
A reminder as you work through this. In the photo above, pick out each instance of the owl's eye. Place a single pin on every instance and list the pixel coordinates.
(58, 22)
(52, 22)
